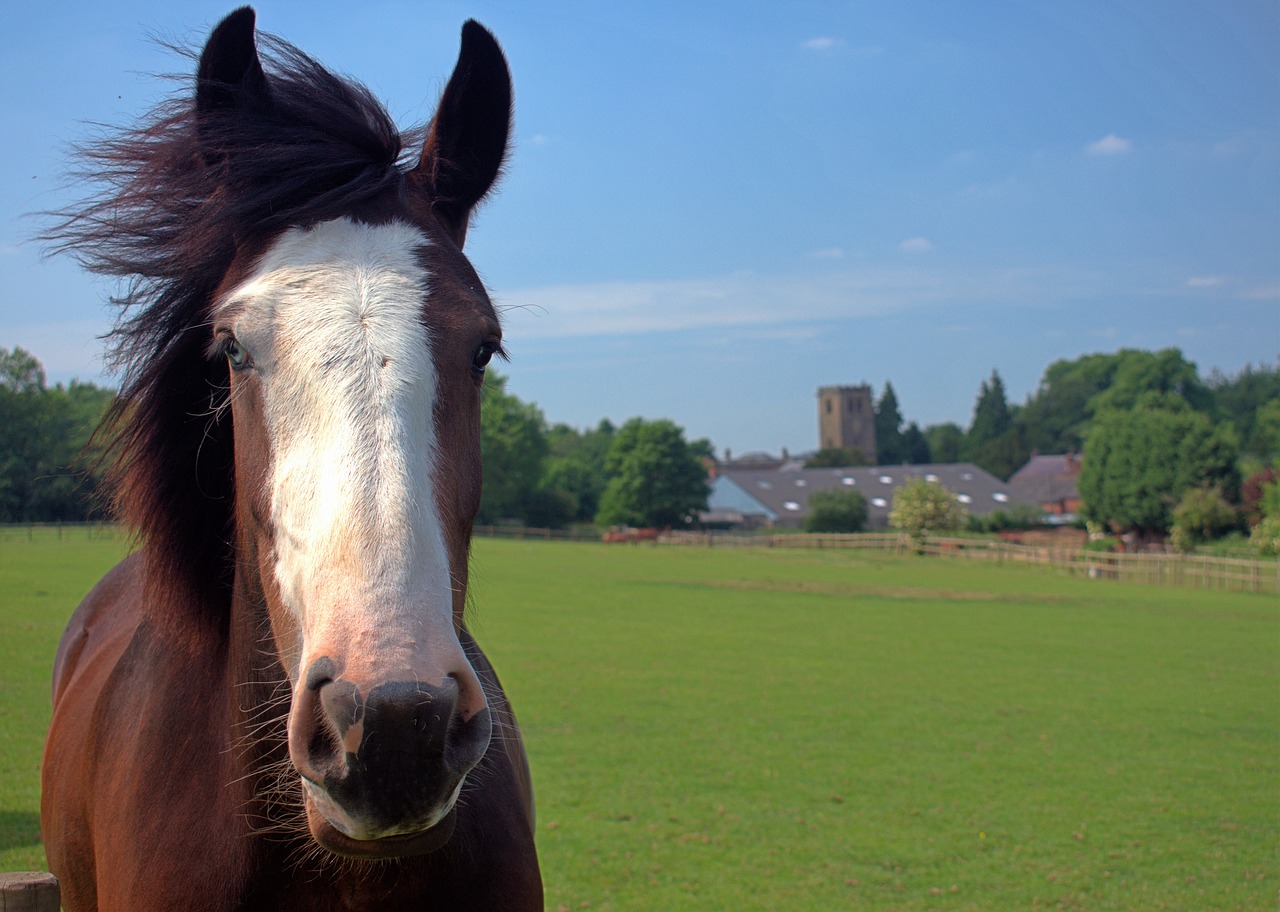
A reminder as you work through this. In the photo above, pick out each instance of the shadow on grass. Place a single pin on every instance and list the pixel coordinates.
(19, 829)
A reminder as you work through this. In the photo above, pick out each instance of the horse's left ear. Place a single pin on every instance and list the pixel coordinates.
(467, 140)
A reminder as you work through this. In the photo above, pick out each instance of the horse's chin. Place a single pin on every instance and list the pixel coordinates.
(334, 840)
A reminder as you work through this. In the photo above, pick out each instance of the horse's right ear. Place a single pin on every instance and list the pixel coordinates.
(230, 74)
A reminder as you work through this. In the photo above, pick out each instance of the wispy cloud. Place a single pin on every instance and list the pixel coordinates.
(745, 300)
(1261, 293)
(827, 253)
(916, 245)
(1206, 281)
(1111, 144)
(822, 43)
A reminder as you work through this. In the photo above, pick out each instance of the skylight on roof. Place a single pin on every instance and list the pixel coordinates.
(932, 477)
(886, 479)
(791, 505)
(1000, 496)
(964, 498)
(848, 481)
(879, 502)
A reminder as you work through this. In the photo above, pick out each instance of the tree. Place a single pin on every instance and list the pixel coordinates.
(656, 478)
(576, 466)
(836, 458)
(915, 446)
(991, 416)
(1139, 462)
(1139, 373)
(1251, 402)
(995, 441)
(889, 449)
(1265, 537)
(836, 510)
(48, 469)
(1202, 515)
(920, 507)
(946, 442)
(513, 447)
(1056, 418)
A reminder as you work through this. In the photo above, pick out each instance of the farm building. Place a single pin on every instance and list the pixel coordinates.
(1049, 482)
(759, 498)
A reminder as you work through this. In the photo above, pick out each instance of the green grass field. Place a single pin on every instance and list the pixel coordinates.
(795, 730)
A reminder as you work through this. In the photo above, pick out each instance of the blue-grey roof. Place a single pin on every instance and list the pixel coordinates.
(783, 497)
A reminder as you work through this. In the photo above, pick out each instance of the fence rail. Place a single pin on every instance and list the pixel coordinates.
(1191, 570)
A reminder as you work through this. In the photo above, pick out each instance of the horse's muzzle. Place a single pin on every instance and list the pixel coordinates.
(384, 767)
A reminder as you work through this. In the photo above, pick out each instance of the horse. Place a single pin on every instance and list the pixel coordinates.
(275, 703)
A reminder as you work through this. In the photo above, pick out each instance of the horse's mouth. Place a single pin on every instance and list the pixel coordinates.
(331, 838)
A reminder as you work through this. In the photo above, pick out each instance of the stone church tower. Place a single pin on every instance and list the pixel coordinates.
(847, 418)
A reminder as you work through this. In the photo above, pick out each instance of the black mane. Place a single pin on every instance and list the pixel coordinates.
(179, 195)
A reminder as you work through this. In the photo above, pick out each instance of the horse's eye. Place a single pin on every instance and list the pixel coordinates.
(484, 354)
(237, 357)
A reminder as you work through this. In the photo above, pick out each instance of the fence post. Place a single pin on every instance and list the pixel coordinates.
(29, 891)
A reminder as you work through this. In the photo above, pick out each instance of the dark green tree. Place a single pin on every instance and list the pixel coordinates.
(995, 441)
(1139, 462)
(513, 448)
(656, 478)
(915, 446)
(48, 469)
(1138, 373)
(1056, 418)
(576, 466)
(946, 442)
(836, 510)
(991, 415)
(835, 458)
(889, 448)
(1251, 402)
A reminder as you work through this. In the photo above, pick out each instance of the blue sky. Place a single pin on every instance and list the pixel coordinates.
(712, 209)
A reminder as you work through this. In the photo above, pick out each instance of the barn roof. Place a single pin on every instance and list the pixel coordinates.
(785, 495)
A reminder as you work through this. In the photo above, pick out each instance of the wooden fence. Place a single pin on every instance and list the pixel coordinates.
(1193, 570)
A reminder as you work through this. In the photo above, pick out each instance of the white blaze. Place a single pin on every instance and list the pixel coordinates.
(332, 319)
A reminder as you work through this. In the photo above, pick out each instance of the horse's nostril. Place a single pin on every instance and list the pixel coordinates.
(319, 673)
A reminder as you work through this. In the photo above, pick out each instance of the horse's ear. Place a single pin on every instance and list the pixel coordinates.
(230, 74)
(467, 140)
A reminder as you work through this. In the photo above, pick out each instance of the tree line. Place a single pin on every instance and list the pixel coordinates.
(49, 459)
(1164, 451)
(1161, 446)
(1072, 394)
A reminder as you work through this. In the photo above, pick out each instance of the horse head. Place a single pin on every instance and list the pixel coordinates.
(355, 336)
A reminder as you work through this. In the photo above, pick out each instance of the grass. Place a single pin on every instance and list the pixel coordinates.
(824, 730)
(43, 575)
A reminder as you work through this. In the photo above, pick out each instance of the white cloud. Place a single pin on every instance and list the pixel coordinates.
(1261, 293)
(1205, 281)
(916, 245)
(745, 300)
(1109, 145)
(822, 43)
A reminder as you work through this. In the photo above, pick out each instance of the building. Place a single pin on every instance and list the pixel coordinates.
(847, 419)
(754, 499)
(1050, 483)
